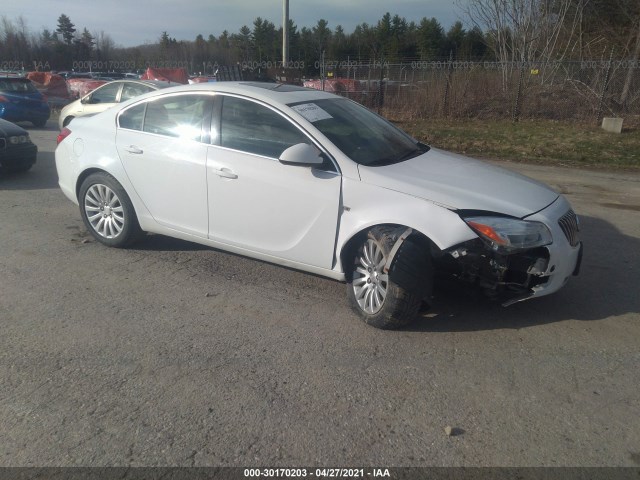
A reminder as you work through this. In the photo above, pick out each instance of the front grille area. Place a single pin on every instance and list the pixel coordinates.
(570, 226)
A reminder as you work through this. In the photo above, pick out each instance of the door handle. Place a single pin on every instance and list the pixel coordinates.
(133, 149)
(226, 173)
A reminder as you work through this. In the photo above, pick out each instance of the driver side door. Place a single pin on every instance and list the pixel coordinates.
(260, 204)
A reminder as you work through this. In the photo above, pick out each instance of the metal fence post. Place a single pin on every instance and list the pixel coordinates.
(369, 86)
(381, 86)
(445, 104)
(515, 116)
(322, 71)
(607, 76)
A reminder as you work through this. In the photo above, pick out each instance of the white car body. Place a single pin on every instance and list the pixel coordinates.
(298, 216)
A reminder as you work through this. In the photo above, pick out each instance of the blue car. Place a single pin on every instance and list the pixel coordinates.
(20, 101)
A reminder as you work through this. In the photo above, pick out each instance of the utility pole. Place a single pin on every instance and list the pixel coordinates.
(285, 33)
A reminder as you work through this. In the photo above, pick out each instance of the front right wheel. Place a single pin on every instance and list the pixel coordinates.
(388, 299)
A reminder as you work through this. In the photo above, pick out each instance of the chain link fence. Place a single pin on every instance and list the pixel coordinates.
(580, 91)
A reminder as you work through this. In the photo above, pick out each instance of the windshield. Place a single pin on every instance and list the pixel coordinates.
(363, 136)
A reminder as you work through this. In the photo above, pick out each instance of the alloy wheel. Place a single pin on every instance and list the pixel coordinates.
(104, 211)
(370, 283)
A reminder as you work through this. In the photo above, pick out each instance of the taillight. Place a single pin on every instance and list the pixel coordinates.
(63, 134)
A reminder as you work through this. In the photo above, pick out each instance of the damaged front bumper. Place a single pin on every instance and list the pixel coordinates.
(521, 275)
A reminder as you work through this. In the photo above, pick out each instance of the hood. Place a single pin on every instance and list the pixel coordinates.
(11, 129)
(462, 183)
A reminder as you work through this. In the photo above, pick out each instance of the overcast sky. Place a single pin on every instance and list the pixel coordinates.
(135, 22)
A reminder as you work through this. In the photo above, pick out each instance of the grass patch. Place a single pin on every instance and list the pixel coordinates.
(542, 142)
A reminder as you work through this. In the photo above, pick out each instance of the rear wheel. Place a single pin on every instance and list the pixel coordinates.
(107, 211)
(39, 123)
(388, 299)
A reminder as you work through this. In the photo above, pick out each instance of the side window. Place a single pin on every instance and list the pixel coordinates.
(130, 90)
(253, 128)
(106, 94)
(179, 116)
(132, 117)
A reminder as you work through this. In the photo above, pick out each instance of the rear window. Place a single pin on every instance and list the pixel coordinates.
(16, 85)
(172, 116)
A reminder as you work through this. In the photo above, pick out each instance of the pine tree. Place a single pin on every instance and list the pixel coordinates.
(66, 29)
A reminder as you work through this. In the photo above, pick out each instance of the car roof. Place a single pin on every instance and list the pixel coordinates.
(151, 83)
(273, 93)
(14, 78)
(277, 95)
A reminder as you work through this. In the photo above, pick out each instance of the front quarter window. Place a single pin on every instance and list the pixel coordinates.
(253, 128)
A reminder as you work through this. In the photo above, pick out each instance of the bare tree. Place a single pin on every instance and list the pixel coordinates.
(633, 15)
(15, 38)
(526, 31)
(104, 45)
(635, 56)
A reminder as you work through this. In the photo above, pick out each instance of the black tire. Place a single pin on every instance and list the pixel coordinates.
(114, 222)
(25, 167)
(408, 282)
(39, 123)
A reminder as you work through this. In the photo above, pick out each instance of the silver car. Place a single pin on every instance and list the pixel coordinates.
(106, 96)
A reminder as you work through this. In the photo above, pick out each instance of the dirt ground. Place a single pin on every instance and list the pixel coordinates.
(173, 354)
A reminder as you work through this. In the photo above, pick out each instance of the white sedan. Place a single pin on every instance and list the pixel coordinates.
(313, 181)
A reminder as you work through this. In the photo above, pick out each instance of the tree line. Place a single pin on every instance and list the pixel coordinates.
(505, 30)
(392, 38)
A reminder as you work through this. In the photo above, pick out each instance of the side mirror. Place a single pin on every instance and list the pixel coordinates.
(86, 99)
(302, 154)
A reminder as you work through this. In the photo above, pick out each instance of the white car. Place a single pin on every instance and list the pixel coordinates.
(106, 96)
(314, 181)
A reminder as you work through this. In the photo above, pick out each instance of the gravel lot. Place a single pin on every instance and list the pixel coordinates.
(174, 354)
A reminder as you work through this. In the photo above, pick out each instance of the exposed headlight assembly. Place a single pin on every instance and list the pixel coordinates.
(508, 235)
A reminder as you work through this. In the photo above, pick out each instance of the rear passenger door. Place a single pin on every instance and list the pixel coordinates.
(163, 146)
